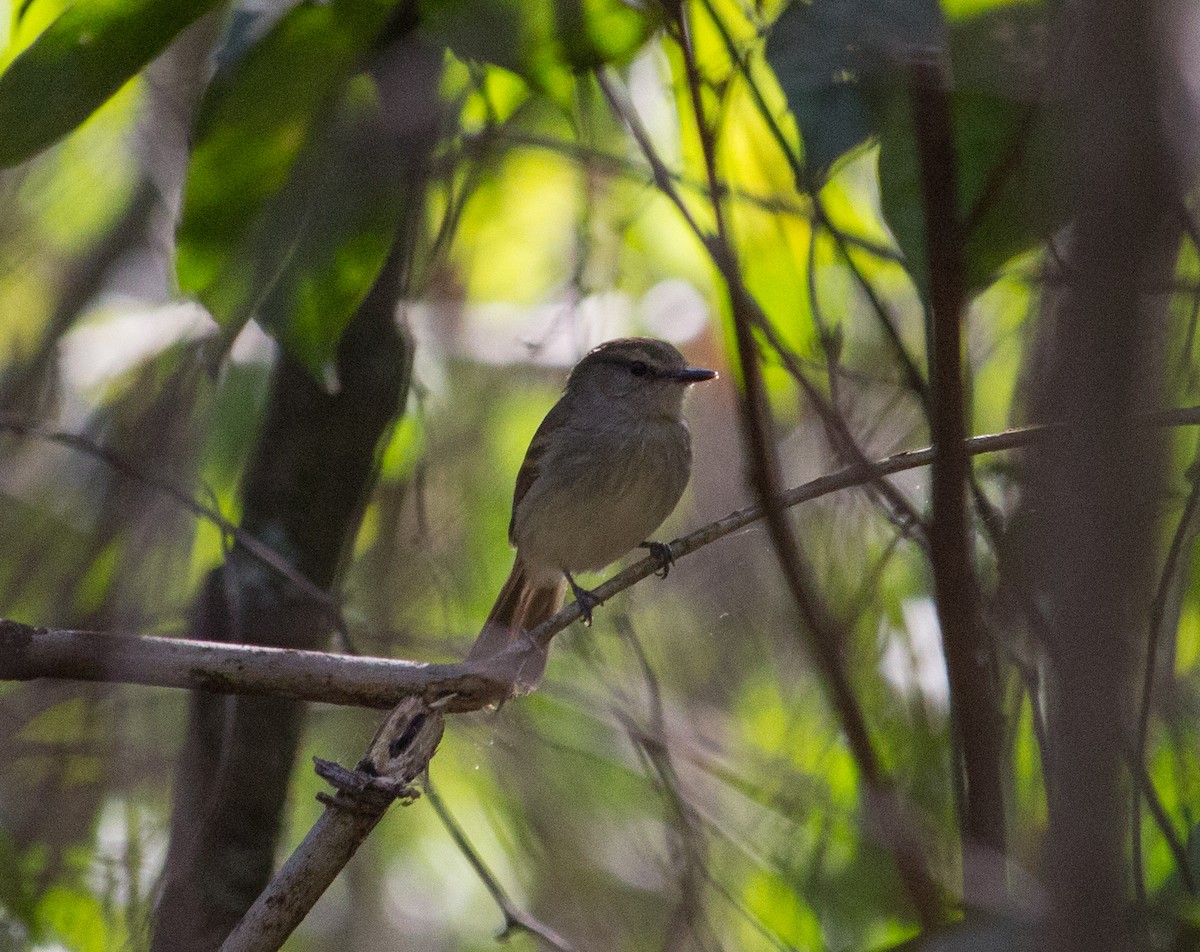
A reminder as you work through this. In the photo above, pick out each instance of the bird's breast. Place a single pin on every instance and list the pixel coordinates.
(599, 494)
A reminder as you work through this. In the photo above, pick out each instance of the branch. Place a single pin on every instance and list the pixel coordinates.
(27, 653)
(514, 918)
(400, 751)
(826, 635)
(1169, 581)
(973, 702)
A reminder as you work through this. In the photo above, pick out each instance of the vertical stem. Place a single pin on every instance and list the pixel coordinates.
(1167, 582)
(1093, 495)
(974, 704)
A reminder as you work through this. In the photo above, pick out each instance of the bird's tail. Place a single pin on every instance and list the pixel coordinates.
(520, 607)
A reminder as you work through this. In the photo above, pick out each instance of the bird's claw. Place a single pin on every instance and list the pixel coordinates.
(662, 554)
(585, 600)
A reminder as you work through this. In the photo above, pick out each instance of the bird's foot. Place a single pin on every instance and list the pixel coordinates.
(585, 599)
(662, 554)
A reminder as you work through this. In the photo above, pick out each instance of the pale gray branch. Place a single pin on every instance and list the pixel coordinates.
(401, 750)
(27, 653)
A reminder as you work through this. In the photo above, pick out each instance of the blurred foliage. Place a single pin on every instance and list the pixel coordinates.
(680, 780)
(83, 56)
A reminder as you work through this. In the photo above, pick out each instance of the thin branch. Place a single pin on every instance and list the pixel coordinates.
(515, 919)
(662, 177)
(1185, 353)
(259, 550)
(1145, 785)
(825, 635)
(1184, 533)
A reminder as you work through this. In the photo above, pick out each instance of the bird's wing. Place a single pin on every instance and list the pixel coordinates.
(534, 457)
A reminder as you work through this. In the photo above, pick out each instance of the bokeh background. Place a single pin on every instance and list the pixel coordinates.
(680, 780)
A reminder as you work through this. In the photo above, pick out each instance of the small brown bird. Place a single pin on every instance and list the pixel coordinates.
(605, 468)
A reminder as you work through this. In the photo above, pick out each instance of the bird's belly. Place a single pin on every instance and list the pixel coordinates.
(603, 509)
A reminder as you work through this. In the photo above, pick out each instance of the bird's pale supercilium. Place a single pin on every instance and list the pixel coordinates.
(605, 468)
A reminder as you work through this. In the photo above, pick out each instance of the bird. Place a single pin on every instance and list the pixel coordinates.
(607, 465)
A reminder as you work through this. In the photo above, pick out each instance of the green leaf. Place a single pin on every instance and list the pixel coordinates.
(353, 196)
(825, 52)
(542, 41)
(309, 258)
(1005, 143)
(78, 63)
(291, 203)
(255, 121)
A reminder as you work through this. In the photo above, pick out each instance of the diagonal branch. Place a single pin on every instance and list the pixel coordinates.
(400, 751)
(515, 919)
(825, 634)
(248, 541)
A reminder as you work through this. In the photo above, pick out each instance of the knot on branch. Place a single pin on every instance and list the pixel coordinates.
(399, 753)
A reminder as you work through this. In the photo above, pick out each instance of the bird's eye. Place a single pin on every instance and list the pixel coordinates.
(639, 368)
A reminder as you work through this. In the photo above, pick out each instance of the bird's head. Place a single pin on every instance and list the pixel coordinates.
(638, 372)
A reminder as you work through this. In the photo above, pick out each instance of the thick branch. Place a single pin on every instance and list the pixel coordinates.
(1092, 496)
(27, 653)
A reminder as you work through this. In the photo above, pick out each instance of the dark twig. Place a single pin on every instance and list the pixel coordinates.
(1145, 786)
(1185, 354)
(973, 701)
(1167, 581)
(662, 177)
(824, 634)
(515, 919)
(763, 466)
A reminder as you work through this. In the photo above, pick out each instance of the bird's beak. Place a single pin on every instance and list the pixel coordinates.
(693, 375)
